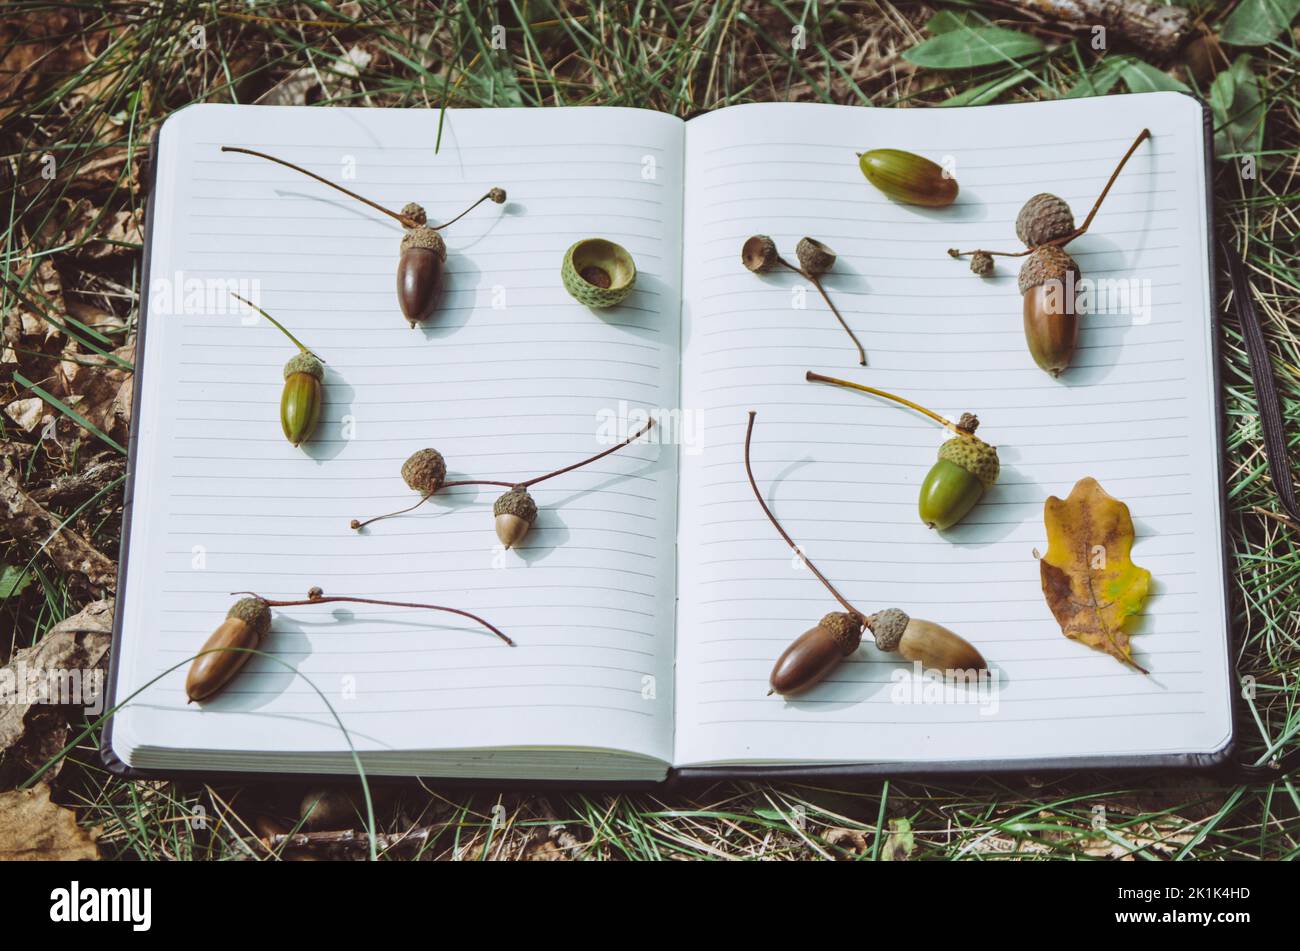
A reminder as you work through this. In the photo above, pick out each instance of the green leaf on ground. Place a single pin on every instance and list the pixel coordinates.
(981, 46)
(1238, 108)
(13, 581)
(945, 21)
(1143, 77)
(1256, 22)
(1101, 79)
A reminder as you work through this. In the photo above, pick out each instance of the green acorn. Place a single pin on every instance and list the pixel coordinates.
(966, 469)
(597, 272)
(908, 178)
(303, 393)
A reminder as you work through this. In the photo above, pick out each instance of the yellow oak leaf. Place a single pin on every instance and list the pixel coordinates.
(1089, 579)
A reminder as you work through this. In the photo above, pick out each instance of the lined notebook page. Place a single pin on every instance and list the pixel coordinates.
(508, 381)
(842, 470)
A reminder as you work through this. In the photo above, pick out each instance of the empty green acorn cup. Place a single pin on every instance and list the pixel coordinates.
(597, 272)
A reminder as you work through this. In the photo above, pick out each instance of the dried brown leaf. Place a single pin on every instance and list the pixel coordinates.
(33, 828)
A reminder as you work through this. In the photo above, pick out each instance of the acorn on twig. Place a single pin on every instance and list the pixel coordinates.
(514, 512)
(303, 393)
(422, 253)
(811, 657)
(1049, 276)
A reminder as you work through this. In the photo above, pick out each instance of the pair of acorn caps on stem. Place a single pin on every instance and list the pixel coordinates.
(818, 651)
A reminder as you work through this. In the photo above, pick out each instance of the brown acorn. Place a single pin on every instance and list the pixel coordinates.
(246, 624)
(424, 471)
(815, 653)
(515, 513)
(1048, 279)
(1049, 275)
(423, 253)
(249, 620)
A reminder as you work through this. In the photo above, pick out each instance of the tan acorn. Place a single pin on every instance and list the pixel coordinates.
(759, 254)
(515, 513)
(248, 622)
(1049, 275)
(1048, 280)
(425, 471)
(422, 253)
(818, 651)
(932, 645)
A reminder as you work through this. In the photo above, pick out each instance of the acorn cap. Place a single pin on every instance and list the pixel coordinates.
(424, 471)
(1048, 263)
(254, 612)
(516, 502)
(415, 212)
(1042, 219)
(975, 456)
(427, 238)
(887, 628)
(759, 253)
(304, 363)
(844, 628)
(497, 195)
(981, 262)
(814, 257)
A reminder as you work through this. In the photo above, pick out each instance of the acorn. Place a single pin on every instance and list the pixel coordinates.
(1048, 279)
(515, 512)
(908, 178)
(249, 621)
(300, 400)
(967, 466)
(932, 645)
(598, 272)
(422, 253)
(246, 624)
(815, 653)
(419, 271)
(759, 254)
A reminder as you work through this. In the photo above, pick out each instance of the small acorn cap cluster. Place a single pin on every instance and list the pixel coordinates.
(497, 195)
(887, 628)
(304, 362)
(425, 471)
(981, 263)
(415, 212)
(844, 628)
(1045, 264)
(254, 612)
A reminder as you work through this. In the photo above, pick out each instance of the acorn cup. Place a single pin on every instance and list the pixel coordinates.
(759, 255)
(812, 656)
(246, 625)
(1048, 277)
(967, 466)
(513, 513)
(911, 179)
(598, 272)
(303, 393)
(422, 253)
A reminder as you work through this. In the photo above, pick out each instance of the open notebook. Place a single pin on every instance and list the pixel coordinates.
(651, 598)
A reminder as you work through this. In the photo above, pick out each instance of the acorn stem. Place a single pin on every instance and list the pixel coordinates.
(953, 252)
(485, 197)
(404, 220)
(945, 423)
(511, 485)
(321, 599)
(749, 471)
(298, 343)
(1142, 137)
(816, 282)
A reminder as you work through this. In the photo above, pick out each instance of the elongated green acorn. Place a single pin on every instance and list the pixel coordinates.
(911, 179)
(300, 401)
(967, 468)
